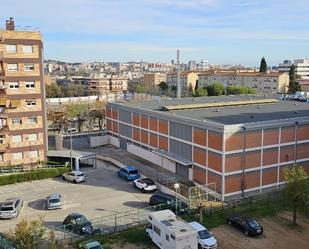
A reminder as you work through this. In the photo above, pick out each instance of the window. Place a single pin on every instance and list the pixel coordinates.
(2, 138)
(157, 230)
(16, 139)
(33, 154)
(11, 48)
(28, 49)
(32, 137)
(28, 67)
(30, 102)
(14, 85)
(16, 121)
(1, 157)
(12, 67)
(30, 84)
(17, 155)
(32, 120)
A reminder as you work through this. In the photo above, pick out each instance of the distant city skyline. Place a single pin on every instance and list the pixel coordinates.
(221, 31)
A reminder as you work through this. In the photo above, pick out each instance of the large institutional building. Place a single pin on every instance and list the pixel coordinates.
(23, 136)
(239, 144)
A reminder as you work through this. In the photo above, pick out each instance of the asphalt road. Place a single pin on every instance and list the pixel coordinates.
(101, 195)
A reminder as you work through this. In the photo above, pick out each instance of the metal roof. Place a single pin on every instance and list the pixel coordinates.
(67, 154)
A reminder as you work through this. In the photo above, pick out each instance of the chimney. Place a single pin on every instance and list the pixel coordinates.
(10, 25)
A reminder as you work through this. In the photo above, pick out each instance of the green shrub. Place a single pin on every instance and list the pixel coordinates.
(33, 175)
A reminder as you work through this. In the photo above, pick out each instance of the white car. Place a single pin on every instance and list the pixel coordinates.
(145, 184)
(74, 176)
(205, 238)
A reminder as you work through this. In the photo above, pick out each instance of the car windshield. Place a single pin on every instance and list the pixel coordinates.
(54, 201)
(147, 181)
(7, 209)
(80, 174)
(82, 220)
(204, 234)
(252, 223)
(133, 172)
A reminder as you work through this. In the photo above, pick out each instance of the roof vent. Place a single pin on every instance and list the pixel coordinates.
(296, 112)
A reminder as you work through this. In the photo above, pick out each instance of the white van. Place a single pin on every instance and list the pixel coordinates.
(205, 238)
(168, 231)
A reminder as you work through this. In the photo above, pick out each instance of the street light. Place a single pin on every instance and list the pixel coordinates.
(176, 186)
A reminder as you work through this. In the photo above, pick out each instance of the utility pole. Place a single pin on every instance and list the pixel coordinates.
(178, 76)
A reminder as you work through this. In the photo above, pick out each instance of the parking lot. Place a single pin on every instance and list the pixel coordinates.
(103, 193)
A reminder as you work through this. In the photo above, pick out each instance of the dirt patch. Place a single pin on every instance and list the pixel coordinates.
(132, 246)
(278, 233)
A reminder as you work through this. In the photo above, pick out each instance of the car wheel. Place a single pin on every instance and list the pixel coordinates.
(63, 178)
(229, 222)
(246, 233)
(74, 181)
(199, 246)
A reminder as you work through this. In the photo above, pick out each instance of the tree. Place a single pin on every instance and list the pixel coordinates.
(140, 88)
(27, 234)
(215, 89)
(78, 111)
(293, 85)
(53, 91)
(72, 90)
(163, 86)
(200, 92)
(263, 66)
(58, 119)
(297, 189)
(98, 112)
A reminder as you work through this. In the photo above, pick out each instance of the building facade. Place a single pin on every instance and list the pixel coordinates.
(187, 80)
(301, 67)
(233, 148)
(261, 82)
(23, 135)
(153, 79)
(103, 85)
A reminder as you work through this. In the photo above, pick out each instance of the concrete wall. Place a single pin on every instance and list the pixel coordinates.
(114, 141)
(98, 141)
(151, 157)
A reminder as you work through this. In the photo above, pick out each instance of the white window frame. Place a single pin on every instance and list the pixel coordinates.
(32, 120)
(30, 84)
(33, 153)
(11, 48)
(27, 49)
(30, 102)
(29, 67)
(16, 121)
(32, 137)
(17, 138)
(14, 84)
(17, 156)
(12, 67)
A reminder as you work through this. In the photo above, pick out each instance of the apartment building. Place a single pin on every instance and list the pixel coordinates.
(187, 79)
(235, 145)
(272, 82)
(301, 67)
(23, 135)
(153, 79)
(103, 85)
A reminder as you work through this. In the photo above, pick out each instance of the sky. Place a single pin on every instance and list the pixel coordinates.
(221, 31)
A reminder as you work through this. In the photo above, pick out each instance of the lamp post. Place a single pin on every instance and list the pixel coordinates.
(176, 186)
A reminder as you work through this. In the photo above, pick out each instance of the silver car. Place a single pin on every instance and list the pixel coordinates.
(74, 176)
(53, 201)
(11, 208)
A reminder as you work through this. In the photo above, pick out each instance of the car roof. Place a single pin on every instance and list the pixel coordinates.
(75, 215)
(76, 171)
(164, 195)
(9, 202)
(54, 196)
(197, 226)
(130, 167)
(92, 244)
(145, 179)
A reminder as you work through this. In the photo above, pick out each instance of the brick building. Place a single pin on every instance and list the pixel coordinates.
(23, 136)
(239, 144)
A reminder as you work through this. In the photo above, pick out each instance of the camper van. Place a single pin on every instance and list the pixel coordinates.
(168, 231)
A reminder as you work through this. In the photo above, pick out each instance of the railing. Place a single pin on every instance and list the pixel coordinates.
(23, 28)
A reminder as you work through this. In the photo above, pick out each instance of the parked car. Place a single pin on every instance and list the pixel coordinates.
(247, 225)
(71, 130)
(145, 184)
(11, 208)
(74, 176)
(170, 201)
(205, 238)
(91, 244)
(79, 224)
(129, 173)
(53, 201)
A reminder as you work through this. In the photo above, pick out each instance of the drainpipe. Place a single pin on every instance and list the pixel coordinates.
(243, 163)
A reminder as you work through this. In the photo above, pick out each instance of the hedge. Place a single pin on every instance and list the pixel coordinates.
(37, 174)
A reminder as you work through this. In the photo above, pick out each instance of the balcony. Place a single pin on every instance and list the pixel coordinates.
(3, 146)
(4, 128)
